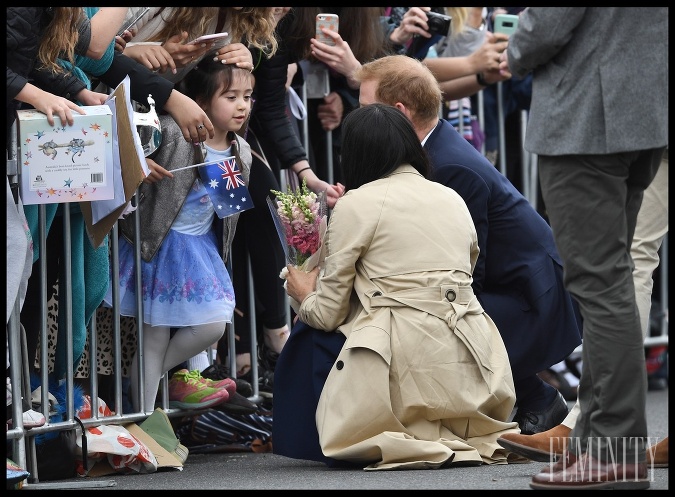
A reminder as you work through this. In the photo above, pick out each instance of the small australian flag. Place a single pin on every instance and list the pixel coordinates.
(226, 187)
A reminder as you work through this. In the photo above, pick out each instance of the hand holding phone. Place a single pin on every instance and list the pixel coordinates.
(132, 22)
(326, 21)
(208, 38)
(506, 23)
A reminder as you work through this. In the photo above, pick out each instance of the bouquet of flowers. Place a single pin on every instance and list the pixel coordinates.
(300, 218)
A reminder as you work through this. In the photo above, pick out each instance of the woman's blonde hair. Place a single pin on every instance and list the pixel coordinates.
(459, 16)
(253, 26)
(60, 37)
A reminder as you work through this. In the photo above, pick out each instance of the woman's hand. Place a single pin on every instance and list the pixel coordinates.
(88, 97)
(235, 53)
(333, 192)
(184, 53)
(330, 112)
(157, 172)
(49, 104)
(299, 283)
(191, 118)
(487, 56)
(414, 22)
(154, 57)
(339, 58)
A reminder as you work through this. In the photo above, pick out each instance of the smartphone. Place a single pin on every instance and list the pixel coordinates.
(208, 38)
(327, 21)
(132, 22)
(506, 23)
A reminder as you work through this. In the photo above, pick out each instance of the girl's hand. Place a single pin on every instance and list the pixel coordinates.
(236, 53)
(157, 172)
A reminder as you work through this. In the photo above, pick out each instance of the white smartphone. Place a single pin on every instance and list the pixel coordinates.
(506, 23)
(327, 21)
(208, 38)
(132, 22)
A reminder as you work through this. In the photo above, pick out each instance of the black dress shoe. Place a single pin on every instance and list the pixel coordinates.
(532, 422)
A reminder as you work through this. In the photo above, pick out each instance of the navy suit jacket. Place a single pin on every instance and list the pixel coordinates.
(518, 275)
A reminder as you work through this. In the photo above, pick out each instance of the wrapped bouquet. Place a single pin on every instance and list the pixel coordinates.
(300, 218)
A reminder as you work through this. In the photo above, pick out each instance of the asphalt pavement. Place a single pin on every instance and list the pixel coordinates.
(249, 471)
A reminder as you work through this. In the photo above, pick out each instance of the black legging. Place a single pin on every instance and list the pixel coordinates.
(257, 237)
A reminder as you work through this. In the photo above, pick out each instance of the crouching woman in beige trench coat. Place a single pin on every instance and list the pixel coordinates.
(423, 379)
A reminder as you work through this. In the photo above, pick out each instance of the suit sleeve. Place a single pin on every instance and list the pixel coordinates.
(476, 194)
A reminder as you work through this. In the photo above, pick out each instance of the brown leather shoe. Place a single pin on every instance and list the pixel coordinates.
(657, 455)
(588, 473)
(546, 446)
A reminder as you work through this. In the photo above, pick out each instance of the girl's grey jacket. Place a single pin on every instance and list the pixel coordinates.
(159, 203)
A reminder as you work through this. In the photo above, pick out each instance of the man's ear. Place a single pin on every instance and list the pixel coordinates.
(404, 109)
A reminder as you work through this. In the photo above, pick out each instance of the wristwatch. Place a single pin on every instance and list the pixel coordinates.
(481, 80)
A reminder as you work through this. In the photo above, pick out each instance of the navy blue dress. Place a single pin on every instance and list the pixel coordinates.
(299, 376)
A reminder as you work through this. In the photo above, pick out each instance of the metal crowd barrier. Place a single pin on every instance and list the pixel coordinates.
(23, 447)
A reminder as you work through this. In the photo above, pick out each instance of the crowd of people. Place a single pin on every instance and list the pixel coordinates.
(452, 337)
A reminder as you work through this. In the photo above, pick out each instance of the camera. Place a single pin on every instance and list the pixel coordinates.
(439, 24)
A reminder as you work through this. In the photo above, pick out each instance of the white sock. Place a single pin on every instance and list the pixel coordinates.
(199, 362)
(571, 379)
(560, 367)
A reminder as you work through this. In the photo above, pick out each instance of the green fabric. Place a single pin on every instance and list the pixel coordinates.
(158, 426)
(90, 274)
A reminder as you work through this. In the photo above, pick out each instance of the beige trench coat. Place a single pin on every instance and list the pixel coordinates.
(423, 379)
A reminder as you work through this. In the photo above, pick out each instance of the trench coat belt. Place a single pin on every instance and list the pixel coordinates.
(433, 300)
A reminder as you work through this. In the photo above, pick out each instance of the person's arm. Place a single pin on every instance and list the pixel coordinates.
(414, 22)
(104, 26)
(271, 123)
(486, 58)
(340, 57)
(144, 82)
(49, 104)
(469, 85)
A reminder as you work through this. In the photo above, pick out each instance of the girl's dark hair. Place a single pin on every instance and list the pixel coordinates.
(202, 82)
(376, 139)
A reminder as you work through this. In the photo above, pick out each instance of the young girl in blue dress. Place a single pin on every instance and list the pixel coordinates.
(185, 284)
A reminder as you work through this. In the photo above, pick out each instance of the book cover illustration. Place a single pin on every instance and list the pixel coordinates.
(66, 163)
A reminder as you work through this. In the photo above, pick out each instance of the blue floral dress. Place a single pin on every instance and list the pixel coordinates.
(186, 283)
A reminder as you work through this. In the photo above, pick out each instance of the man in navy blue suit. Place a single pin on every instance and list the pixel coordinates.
(518, 277)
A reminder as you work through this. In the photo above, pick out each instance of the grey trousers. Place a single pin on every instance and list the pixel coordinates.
(592, 202)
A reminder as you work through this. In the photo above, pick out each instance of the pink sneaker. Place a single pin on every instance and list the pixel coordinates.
(187, 390)
(226, 383)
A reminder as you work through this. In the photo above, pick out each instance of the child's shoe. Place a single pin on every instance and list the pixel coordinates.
(226, 383)
(219, 372)
(187, 390)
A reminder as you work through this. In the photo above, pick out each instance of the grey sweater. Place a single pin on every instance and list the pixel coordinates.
(159, 203)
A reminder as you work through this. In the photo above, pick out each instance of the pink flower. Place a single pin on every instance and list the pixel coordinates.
(298, 215)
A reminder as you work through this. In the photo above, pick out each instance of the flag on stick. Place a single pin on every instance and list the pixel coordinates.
(226, 187)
